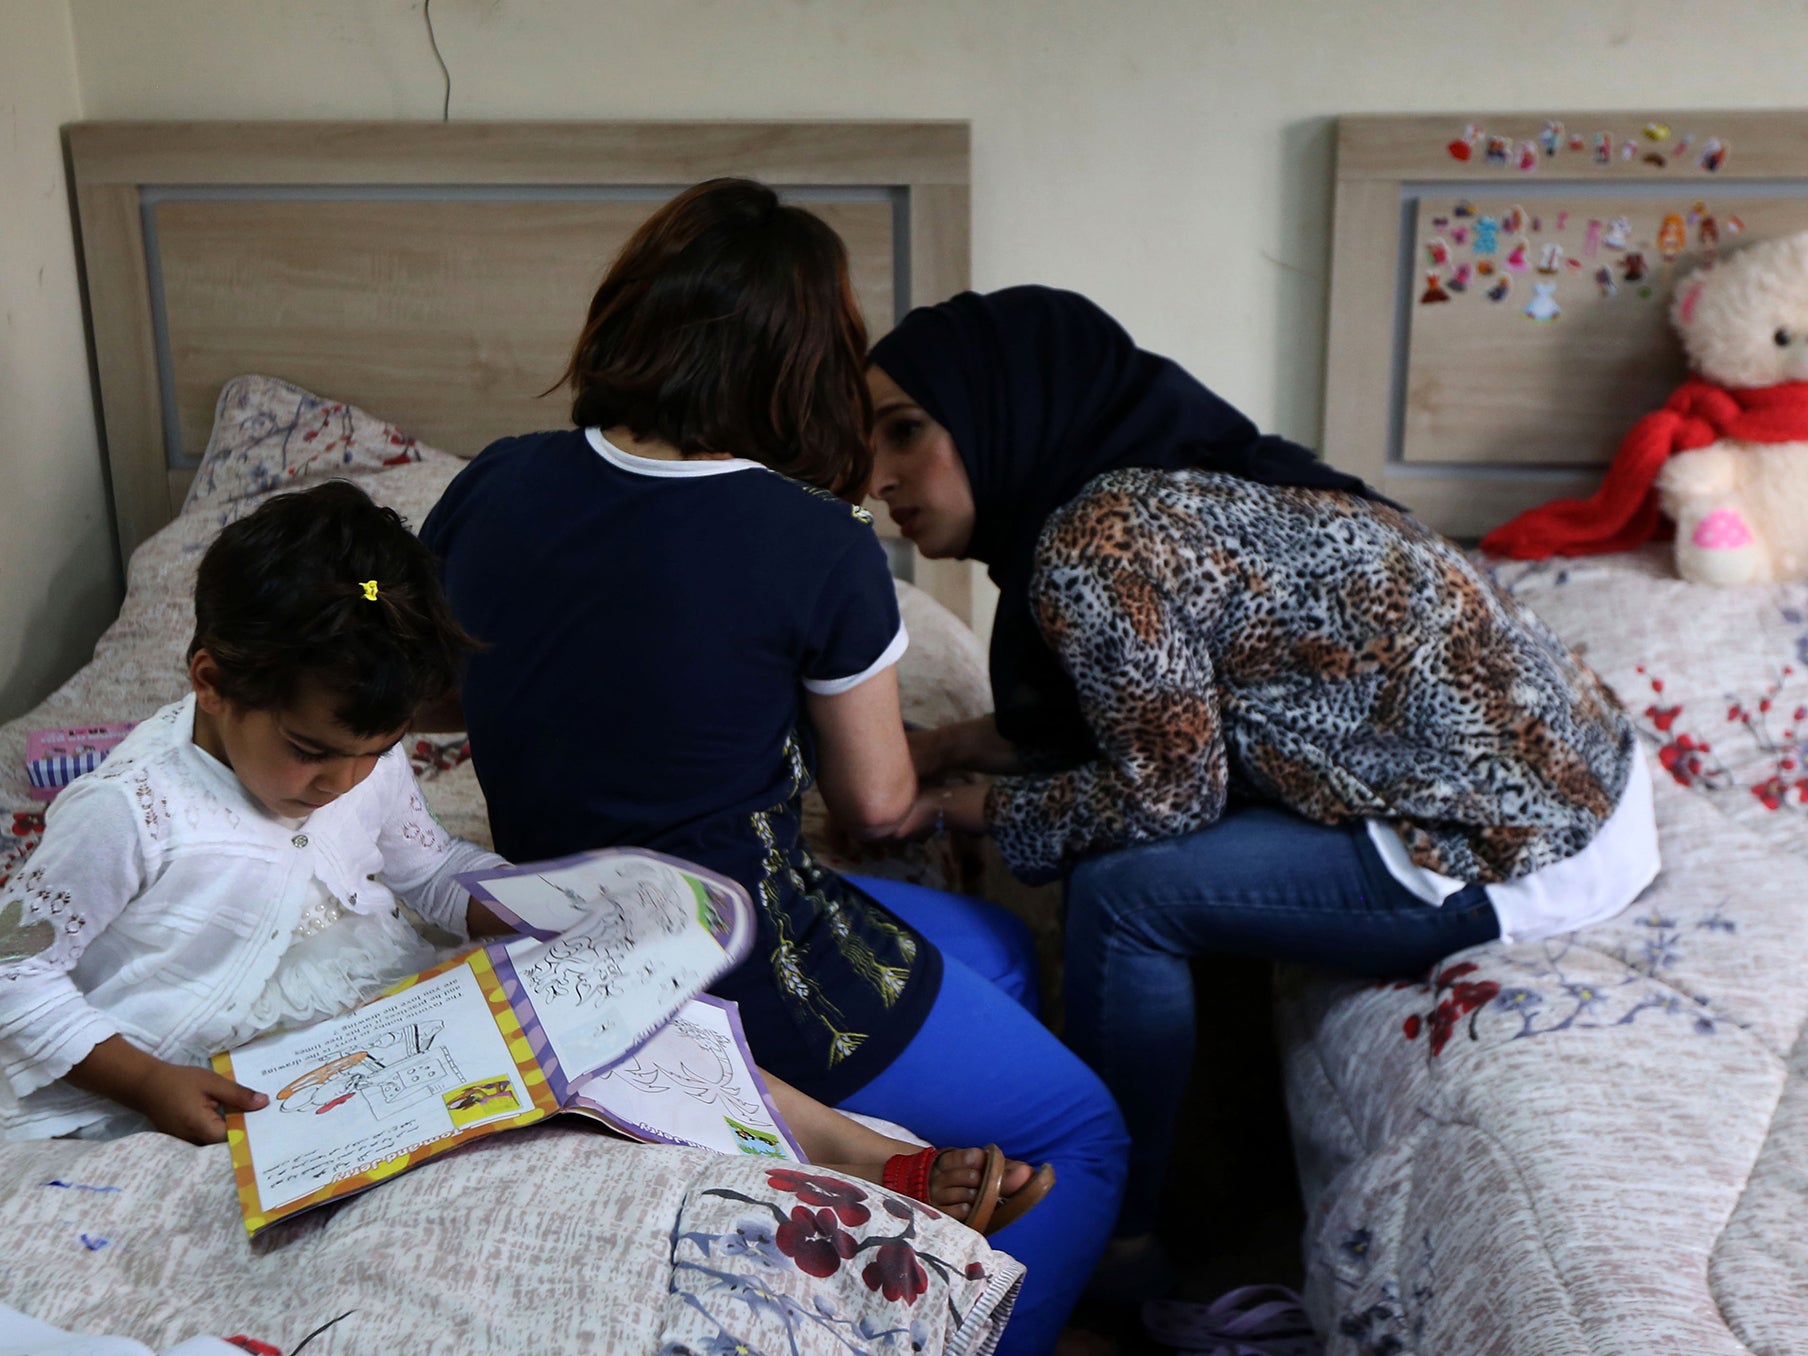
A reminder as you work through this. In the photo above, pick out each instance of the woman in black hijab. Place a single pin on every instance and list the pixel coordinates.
(1244, 704)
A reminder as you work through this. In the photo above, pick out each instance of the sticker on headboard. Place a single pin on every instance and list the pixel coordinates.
(1654, 145)
(1599, 251)
(1561, 297)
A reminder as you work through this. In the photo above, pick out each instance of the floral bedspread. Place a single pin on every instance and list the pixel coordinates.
(1597, 1143)
(556, 1238)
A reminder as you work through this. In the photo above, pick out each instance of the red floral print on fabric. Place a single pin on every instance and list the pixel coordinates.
(815, 1241)
(407, 451)
(1460, 998)
(753, 1262)
(1689, 758)
(750, 1269)
(337, 420)
(430, 759)
(844, 1198)
(895, 1272)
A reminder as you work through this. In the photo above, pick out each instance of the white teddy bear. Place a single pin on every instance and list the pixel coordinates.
(1726, 458)
(1741, 507)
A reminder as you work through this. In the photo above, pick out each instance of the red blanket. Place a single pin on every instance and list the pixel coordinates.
(1624, 512)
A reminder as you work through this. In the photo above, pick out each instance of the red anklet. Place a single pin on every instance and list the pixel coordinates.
(908, 1174)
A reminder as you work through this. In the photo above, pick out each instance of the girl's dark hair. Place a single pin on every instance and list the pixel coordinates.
(281, 598)
(728, 324)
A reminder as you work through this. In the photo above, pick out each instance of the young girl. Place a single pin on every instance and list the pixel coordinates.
(686, 622)
(239, 862)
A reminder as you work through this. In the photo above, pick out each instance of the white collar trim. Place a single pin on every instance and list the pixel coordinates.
(659, 467)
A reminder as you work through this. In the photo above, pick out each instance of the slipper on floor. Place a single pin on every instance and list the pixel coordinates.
(1254, 1320)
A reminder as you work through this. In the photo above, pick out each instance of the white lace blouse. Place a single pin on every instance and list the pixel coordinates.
(167, 906)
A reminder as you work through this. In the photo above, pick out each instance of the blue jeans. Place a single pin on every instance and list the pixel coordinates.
(1260, 882)
(984, 1070)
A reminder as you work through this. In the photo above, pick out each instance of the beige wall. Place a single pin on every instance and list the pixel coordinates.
(58, 575)
(1170, 157)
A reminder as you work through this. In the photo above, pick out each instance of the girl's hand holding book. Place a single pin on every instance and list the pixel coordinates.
(183, 1100)
(191, 1103)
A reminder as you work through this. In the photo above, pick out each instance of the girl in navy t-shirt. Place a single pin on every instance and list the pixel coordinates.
(686, 622)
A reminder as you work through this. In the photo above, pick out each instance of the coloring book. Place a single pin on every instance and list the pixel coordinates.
(576, 1013)
(693, 1083)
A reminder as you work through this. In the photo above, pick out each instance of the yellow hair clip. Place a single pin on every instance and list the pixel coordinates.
(370, 590)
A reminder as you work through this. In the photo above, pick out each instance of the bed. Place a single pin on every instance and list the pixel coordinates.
(400, 272)
(1596, 1143)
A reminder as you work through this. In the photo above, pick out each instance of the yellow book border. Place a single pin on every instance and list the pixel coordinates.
(258, 1218)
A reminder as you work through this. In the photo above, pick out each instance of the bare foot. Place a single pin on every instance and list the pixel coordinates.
(953, 1180)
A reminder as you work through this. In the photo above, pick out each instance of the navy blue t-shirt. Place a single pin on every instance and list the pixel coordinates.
(650, 629)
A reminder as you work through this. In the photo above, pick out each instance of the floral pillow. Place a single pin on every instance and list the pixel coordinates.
(267, 434)
(814, 1261)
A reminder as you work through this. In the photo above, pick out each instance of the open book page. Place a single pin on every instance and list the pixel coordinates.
(359, 1098)
(694, 1083)
(637, 934)
(487, 1041)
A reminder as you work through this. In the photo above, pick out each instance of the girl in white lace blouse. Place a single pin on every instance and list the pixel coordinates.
(240, 861)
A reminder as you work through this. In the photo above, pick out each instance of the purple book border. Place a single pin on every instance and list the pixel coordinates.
(641, 1132)
(737, 941)
(531, 1030)
(732, 902)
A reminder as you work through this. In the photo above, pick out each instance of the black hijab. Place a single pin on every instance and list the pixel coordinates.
(1042, 391)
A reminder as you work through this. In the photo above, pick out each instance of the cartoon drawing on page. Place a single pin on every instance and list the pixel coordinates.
(395, 1070)
(657, 898)
(694, 1082)
(578, 971)
(480, 1100)
(510, 1033)
(717, 1080)
(759, 1143)
(644, 885)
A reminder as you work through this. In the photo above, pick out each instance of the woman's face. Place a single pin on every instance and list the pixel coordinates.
(918, 472)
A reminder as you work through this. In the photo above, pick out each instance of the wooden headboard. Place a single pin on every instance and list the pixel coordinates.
(1500, 288)
(436, 274)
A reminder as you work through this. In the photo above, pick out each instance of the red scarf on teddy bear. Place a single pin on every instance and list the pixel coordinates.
(1624, 512)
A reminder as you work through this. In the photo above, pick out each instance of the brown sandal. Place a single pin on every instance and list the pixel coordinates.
(910, 1174)
(985, 1198)
(1023, 1200)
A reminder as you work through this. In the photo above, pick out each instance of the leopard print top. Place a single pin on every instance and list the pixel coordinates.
(1311, 648)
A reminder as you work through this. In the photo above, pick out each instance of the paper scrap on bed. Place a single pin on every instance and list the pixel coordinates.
(506, 1035)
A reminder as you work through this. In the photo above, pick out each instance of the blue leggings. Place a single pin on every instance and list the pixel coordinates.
(984, 1070)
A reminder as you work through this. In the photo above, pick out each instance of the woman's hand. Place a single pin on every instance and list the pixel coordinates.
(960, 809)
(965, 746)
(929, 752)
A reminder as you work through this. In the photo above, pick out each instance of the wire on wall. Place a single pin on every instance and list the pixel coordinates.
(445, 109)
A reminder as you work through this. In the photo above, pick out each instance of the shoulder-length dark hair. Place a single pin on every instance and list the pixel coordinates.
(728, 324)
